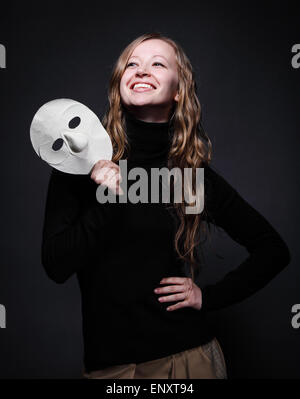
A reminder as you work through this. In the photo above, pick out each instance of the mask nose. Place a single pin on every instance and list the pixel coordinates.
(76, 141)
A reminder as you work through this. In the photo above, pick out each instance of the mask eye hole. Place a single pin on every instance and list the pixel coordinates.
(74, 122)
(57, 144)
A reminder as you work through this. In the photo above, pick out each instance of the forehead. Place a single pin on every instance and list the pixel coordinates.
(155, 47)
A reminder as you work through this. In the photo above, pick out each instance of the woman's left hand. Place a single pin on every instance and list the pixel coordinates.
(189, 293)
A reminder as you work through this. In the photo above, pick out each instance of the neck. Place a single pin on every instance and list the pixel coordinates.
(149, 141)
(152, 114)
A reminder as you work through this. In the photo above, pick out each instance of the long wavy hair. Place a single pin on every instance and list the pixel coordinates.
(190, 146)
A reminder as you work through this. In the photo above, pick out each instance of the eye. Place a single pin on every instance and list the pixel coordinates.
(57, 144)
(74, 122)
(158, 63)
(130, 64)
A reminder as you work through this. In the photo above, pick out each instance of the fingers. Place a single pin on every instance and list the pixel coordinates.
(171, 298)
(174, 280)
(101, 173)
(102, 167)
(104, 162)
(112, 181)
(169, 288)
(178, 305)
(182, 283)
(187, 293)
(107, 173)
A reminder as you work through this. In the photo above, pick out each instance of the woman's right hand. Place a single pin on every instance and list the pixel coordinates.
(107, 173)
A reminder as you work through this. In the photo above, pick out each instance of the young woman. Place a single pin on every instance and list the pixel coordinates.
(144, 316)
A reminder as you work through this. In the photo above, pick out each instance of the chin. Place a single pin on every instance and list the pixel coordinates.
(141, 103)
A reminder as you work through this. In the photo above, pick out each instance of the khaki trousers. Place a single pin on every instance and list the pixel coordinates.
(204, 361)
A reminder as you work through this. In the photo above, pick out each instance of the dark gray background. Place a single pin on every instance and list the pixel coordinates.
(241, 53)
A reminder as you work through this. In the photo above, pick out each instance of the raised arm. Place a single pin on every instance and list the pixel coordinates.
(71, 231)
(268, 253)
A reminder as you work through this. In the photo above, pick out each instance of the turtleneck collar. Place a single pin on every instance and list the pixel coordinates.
(149, 141)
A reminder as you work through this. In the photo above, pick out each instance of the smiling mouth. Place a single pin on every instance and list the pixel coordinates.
(141, 89)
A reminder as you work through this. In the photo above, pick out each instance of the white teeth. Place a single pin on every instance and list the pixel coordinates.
(142, 85)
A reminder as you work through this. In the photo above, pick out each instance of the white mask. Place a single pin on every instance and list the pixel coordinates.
(69, 136)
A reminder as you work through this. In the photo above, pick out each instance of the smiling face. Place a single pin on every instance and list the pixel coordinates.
(153, 62)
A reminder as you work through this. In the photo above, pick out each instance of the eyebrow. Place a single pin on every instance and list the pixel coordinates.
(157, 55)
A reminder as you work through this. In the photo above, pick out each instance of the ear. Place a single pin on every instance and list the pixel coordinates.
(176, 98)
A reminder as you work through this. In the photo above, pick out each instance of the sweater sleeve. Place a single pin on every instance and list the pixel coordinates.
(268, 253)
(71, 231)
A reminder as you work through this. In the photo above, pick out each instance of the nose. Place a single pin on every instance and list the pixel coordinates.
(141, 71)
(76, 141)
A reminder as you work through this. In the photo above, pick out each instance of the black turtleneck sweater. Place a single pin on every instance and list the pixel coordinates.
(120, 252)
